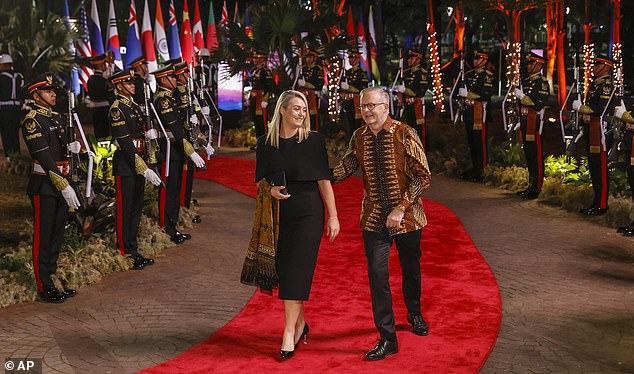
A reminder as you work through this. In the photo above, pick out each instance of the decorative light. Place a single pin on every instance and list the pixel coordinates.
(618, 68)
(435, 70)
(588, 67)
(334, 70)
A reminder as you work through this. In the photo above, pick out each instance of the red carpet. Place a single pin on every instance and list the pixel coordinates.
(461, 303)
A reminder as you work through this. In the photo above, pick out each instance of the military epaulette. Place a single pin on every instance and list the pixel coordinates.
(30, 114)
(124, 100)
(181, 88)
(44, 111)
(163, 93)
(115, 105)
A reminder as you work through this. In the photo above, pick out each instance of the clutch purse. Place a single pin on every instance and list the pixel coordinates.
(278, 178)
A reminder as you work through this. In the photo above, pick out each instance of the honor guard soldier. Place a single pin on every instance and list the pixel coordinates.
(479, 82)
(139, 65)
(129, 166)
(415, 84)
(597, 99)
(356, 79)
(311, 84)
(628, 139)
(49, 190)
(169, 113)
(261, 82)
(101, 95)
(11, 83)
(533, 97)
(190, 124)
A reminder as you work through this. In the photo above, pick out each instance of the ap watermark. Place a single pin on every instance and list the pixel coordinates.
(23, 366)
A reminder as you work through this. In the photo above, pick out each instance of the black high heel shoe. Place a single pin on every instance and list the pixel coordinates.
(304, 335)
(285, 355)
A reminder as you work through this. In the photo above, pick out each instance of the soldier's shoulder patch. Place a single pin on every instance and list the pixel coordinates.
(607, 88)
(115, 113)
(30, 125)
(164, 102)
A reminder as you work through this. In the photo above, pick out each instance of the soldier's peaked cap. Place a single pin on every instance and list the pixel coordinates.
(604, 60)
(164, 71)
(125, 75)
(181, 68)
(415, 53)
(480, 54)
(137, 61)
(42, 82)
(534, 57)
(96, 60)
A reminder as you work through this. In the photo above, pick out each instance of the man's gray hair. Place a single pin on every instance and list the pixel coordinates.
(378, 89)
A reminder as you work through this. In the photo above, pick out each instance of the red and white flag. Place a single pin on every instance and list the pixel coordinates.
(224, 17)
(160, 40)
(199, 40)
(147, 41)
(83, 47)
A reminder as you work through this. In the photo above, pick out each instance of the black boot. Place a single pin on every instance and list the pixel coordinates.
(52, 295)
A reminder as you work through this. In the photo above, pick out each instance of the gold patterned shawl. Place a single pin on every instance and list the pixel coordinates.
(259, 264)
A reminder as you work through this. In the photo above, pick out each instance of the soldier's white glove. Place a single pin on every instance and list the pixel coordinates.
(205, 110)
(198, 161)
(71, 197)
(345, 85)
(401, 88)
(209, 150)
(619, 111)
(152, 177)
(463, 92)
(151, 134)
(301, 82)
(576, 105)
(193, 119)
(519, 93)
(74, 147)
(264, 104)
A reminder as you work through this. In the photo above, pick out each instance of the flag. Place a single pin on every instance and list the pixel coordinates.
(172, 29)
(160, 39)
(236, 17)
(362, 45)
(187, 43)
(212, 38)
(83, 47)
(133, 44)
(247, 23)
(73, 83)
(373, 66)
(199, 40)
(350, 25)
(148, 41)
(113, 37)
(224, 17)
(96, 40)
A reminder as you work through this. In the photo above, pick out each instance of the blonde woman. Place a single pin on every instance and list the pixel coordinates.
(294, 160)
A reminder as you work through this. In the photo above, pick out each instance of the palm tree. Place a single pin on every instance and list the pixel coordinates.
(37, 41)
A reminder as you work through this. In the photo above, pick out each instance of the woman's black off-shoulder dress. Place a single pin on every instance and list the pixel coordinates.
(301, 215)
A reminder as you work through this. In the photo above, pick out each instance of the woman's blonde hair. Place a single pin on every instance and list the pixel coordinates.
(273, 137)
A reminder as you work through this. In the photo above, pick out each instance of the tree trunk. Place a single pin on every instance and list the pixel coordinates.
(435, 59)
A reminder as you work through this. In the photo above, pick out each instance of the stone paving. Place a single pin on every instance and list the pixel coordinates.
(567, 288)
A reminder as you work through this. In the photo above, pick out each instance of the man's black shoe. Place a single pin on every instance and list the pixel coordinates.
(623, 229)
(586, 210)
(523, 192)
(531, 195)
(185, 236)
(596, 211)
(254, 147)
(137, 264)
(177, 238)
(52, 295)
(381, 350)
(146, 261)
(196, 219)
(68, 292)
(629, 231)
(419, 326)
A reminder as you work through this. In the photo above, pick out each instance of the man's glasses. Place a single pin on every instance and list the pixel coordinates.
(369, 106)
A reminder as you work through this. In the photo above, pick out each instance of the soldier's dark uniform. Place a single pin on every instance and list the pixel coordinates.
(101, 95)
(596, 101)
(43, 132)
(139, 80)
(357, 80)
(313, 76)
(169, 198)
(261, 82)
(536, 90)
(186, 109)
(479, 81)
(127, 128)
(11, 83)
(416, 81)
(627, 145)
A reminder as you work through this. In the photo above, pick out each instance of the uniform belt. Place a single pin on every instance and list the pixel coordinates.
(139, 144)
(62, 166)
(9, 102)
(629, 127)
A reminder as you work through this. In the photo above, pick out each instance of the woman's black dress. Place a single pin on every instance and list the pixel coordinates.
(301, 215)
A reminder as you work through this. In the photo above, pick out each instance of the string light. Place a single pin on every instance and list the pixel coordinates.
(514, 58)
(618, 71)
(588, 67)
(435, 70)
(334, 69)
